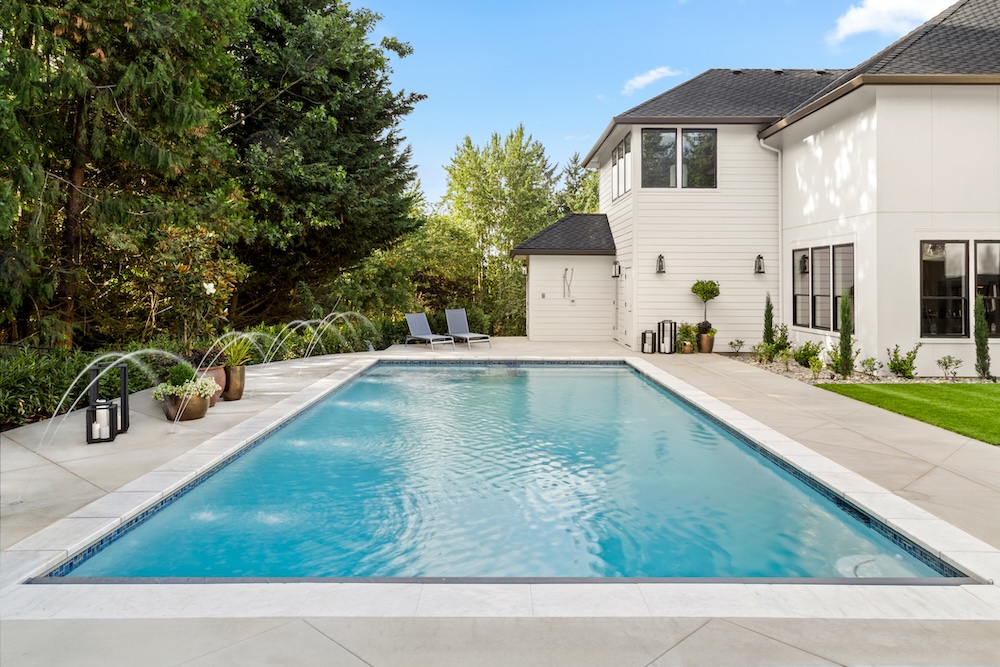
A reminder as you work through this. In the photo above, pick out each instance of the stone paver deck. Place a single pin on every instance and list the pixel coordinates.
(48, 473)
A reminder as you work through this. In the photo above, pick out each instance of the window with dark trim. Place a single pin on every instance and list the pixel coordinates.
(820, 275)
(696, 161)
(988, 282)
(621, 167)
(944, 296)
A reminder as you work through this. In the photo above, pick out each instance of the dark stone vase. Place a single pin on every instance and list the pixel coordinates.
(705, 343)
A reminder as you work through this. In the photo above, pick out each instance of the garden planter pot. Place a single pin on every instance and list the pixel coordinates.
(217, 373)
(235, 381)
(705, 343)
(195, 407)
(687, 348)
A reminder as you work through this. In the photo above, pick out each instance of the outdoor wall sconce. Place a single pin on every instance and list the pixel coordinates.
(616, 269)
(105, 418)
(758, 264)
(804, 264)
(524, 269)
(661, 266)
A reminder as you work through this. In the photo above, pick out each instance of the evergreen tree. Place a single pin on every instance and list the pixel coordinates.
(580, 188)
(981, 333)
(768, 320)
(316, 131)
(846, 357)
(108, 147)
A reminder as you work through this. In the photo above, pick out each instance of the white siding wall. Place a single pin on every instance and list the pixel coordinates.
(712, 235)
(570, 298)
(619, 214)
(885, 168)
(830, 192)
(939, 179)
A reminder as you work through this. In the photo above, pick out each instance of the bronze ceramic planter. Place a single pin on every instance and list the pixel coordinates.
(705, 343)
(195, 407)
(235, 382)
(217, 373)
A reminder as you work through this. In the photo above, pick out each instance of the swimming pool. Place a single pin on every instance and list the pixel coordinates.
(493, 470)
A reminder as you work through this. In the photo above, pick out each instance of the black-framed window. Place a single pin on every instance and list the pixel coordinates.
(696, 162)
(800, 288)
(843, 281)
(944, 296)
(621, 167)
(820, 275)
(988, 282)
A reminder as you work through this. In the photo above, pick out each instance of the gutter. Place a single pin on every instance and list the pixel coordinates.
(781, 231)
(883, 80)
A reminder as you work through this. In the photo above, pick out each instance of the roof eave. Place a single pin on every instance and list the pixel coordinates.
(523, 253)
(883, 80)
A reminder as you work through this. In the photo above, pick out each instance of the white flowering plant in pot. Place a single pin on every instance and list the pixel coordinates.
(183, 383)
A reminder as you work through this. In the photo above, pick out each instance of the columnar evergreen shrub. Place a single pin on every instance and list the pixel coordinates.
(845, 365)
(768, 320)
(981, 333)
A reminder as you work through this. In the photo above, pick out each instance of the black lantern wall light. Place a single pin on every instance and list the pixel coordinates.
(661, 265)
(758, 264)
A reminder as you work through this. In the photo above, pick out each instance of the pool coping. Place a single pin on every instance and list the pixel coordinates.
(44, 550)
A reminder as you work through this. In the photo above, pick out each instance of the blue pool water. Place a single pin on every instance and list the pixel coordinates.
(502, 471)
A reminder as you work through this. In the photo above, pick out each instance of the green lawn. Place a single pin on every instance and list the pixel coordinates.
(969, 409)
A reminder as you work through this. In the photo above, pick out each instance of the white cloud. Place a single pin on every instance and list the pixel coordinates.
(887, 17)
(640, 81)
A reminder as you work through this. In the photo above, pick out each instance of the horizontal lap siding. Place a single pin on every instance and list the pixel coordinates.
(713, 235)
(583, 312)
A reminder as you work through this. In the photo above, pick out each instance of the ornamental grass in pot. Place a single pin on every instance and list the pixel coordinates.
(238, 351)
(184, 396)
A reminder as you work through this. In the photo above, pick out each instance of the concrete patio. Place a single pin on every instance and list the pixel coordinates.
(48, 473)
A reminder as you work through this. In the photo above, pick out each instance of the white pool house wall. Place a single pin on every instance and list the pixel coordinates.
(570, 298)
(710, 234)
(884, 168)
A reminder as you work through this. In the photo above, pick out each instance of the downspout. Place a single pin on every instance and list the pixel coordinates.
(781, 233)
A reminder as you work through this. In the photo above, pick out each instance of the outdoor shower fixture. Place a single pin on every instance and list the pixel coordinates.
(661, 266)
(758, 264)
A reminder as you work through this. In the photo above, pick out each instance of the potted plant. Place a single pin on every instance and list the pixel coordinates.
(686, 335)
(216, 371)
(237, 356)
(706, 290)
(185, 396)
(706, 337)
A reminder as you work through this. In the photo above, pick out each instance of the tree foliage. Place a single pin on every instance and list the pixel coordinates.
(504, 192)
(318, 149)
(580, 191)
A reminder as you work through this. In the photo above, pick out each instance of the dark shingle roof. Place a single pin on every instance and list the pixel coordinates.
(749, 95)
(576, 234)
(963, 39)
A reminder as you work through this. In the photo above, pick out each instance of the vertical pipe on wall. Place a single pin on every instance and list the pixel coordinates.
(781, 236)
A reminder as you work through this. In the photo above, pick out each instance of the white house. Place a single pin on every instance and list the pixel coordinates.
(883, 181)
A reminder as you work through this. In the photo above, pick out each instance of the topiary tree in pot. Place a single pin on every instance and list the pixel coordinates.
(706, 290)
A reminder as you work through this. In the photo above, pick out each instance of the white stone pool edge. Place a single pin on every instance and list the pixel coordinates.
(51, 546)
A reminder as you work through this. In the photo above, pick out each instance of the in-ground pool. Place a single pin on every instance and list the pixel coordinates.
(493, 470)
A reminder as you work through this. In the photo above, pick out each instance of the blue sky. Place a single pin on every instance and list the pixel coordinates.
(565, 68)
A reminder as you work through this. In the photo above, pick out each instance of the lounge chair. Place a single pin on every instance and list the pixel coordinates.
(458, 328)
(420, 331)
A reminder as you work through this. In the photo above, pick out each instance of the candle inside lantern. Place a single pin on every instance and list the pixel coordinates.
(95, 430)
(103, 423)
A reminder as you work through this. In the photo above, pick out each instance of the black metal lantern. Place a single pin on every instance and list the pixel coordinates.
(758, 264)
(661, 266)
(616, 269)
(804, 264)
(107, 418)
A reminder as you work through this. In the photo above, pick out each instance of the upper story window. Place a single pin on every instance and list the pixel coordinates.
(621, 167)
(696, 161)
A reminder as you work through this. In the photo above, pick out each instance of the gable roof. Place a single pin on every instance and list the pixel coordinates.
(733, 96)
(959, 45)
(575, 234)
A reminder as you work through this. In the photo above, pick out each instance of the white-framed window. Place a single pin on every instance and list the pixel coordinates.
(820, 276)
(621, 167)
(696, 161)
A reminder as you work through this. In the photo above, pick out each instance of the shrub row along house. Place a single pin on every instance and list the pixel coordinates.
(882, 181)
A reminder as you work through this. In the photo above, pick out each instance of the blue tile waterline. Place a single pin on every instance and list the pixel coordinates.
(907, 546)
